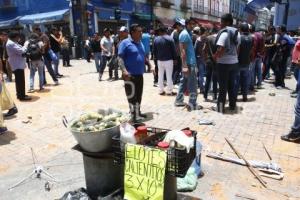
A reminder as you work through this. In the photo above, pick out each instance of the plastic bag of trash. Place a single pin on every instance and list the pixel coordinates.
(79, 194)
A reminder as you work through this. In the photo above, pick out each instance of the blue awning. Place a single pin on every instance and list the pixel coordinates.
(44, 17)
(9, 23)
(258, 4)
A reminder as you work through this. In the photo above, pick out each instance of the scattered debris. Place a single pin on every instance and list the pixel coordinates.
(206, 122)
(272, 94)
(254, 163)
(79, 194)
(247, 164)
(27, 120)
(244, 197)
(48, 186)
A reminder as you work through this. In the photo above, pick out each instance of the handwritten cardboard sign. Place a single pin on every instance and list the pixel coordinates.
(144, 173)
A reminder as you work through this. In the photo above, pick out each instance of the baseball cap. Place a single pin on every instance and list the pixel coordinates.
(179, 21)
(197, 29)
(123, 29)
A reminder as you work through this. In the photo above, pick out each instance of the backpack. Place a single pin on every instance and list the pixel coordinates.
(245, 49)
(34, 51)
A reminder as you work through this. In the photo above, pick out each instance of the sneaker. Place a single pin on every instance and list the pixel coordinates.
(171, 94)
(259, 87)
(26, 98)
(41, 89)
(191, 108)
(155, 85)
(291, 137)
(142, 115)
(56, 83)
(294, 92)
(180, 104)
(294, 95)
(162, 93)
(31, 91)
(11, 112)
(2, 130)
(245, 98)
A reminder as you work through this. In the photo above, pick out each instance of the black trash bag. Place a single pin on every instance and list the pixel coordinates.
(79, 194)
(116, 195)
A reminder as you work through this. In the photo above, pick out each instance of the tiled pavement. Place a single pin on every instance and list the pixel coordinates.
(263, 119)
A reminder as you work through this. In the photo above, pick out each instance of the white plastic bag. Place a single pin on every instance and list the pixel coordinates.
(127, 133)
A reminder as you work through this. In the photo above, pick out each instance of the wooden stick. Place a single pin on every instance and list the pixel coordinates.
(247, 164)
(266, 150)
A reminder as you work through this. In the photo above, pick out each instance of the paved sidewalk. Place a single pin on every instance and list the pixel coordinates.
(263, 119)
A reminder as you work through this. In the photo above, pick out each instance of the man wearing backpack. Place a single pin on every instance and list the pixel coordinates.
(34, 52)
(245, 50)
(226, 56)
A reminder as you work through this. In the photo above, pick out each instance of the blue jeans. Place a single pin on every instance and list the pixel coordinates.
(296, 125)
(243, 79)
(188, 83)
(296, 74)
(257, 71)
(104, 60)
(56, 63)
(201, 73)
(36, 66)
(97, 57)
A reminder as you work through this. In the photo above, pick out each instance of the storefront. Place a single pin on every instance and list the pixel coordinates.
(47, 20)
(106, 19)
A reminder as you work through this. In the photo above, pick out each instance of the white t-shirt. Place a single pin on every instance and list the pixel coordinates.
(227, 59)
(107, 43)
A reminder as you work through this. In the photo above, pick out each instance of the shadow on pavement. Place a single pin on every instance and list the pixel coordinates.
(7, 137)
(149, 116)
(10, 117)
(45, 90)
(251, 99)
(33, 99)
(238, 110)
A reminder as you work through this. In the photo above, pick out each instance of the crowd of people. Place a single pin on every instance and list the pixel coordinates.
(39, 52)
(232, 60)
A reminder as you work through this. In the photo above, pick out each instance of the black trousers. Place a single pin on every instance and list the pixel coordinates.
(177, 71)
(155, 76)
(65, 57)
(268, 65)
(211, 76)
(20, 83)
(227, 82)
(134, 91)
(280, 72)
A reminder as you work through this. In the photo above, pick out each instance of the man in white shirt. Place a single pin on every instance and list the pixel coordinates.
(227, 42)
(108, 50)
(16, 59)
